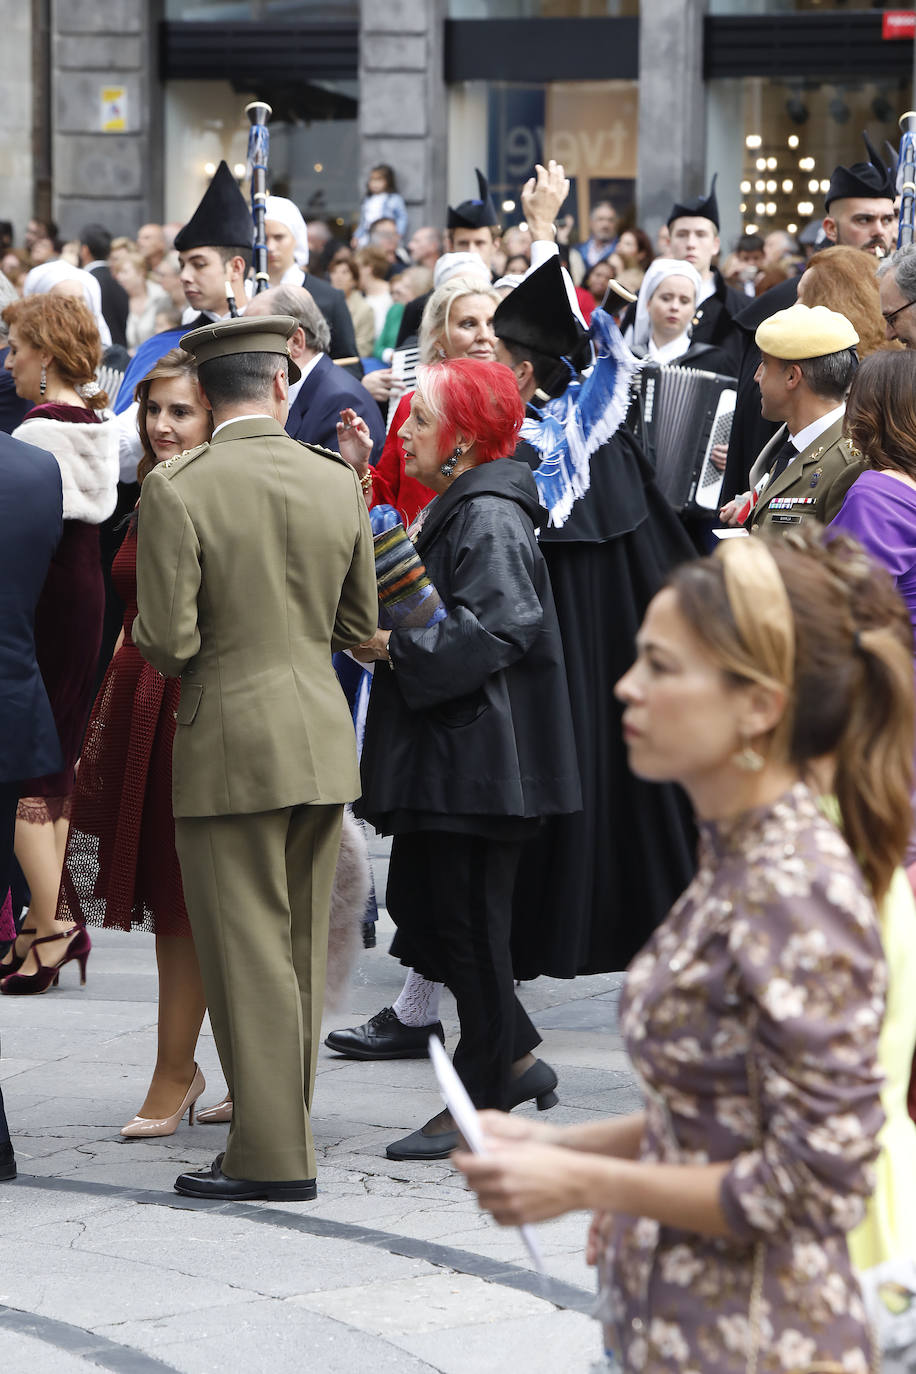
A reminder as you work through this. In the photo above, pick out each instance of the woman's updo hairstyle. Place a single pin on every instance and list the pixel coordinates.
(65, 328)
(849, 655)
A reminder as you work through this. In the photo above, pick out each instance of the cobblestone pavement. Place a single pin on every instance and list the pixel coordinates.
(392, 1268)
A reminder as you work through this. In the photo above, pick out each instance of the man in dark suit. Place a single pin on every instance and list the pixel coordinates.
(325, 389)
(31, 524)
(95, 245)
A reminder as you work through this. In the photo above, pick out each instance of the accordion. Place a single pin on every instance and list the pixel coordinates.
(681, 414)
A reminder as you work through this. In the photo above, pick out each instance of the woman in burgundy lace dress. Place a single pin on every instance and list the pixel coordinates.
(53, 354)
(121, 870)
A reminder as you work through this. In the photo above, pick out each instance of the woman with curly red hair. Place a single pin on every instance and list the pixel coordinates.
(469, 739)
(53, 355)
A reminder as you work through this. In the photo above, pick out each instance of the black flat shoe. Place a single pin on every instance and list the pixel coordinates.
(418, 1145)
(537, 1084)
(7, 1163)
(213, 1183)
(384, 1036)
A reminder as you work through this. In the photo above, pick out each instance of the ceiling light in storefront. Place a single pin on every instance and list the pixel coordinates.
(839, 110)
(760, 185)
(761, 164)
(788, 185)
(792, 140)
(743, 207)
(319, 166)
(771, 186)
(760, 208)
(239, 169)
(753, 141)
(745, 188)
(825, 185)
(771, 207)
(750, 228)
(805, 207)
(771, 163)
(792, 228)
(210, 168)
(814, 185)
(806, 164)
(508, 206)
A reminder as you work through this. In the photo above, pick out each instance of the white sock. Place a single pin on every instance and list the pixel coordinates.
(418, 1001)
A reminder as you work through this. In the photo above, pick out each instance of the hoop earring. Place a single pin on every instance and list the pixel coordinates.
(448, 467)
(43, 383)
(748, 759)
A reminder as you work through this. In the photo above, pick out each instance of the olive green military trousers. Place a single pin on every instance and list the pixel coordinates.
(258, 891)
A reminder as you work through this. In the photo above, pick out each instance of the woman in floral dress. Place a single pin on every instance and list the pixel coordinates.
(752, 1016)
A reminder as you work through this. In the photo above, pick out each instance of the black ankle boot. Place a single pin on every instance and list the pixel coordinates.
(7, 1162)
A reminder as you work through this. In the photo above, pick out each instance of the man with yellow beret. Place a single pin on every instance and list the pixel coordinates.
(254, 562)
(808, 361)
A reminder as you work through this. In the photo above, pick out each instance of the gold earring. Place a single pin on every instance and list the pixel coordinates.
(747, 758)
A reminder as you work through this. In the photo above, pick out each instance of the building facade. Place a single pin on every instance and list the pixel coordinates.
(119, 110)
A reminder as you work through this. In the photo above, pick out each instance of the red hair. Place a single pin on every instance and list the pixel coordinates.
(474, 401)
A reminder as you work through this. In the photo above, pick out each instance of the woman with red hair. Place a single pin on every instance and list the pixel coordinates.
(469, 739)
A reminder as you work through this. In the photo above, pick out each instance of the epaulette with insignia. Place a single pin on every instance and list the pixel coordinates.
(180, 457)
(324, 452)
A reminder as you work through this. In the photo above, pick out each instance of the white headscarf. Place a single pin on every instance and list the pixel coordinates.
(658, 271)
(285, 212)
(40, 280)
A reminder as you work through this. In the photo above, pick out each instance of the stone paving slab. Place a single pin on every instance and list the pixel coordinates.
(391, 1268)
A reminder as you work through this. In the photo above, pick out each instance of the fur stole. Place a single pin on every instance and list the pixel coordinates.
(87, 456)
(348, 907)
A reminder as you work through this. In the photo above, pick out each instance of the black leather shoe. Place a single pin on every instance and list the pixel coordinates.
(384, 1036)
(419, 1145)
(213, 1183)
(7, 1163)
(537, 1084)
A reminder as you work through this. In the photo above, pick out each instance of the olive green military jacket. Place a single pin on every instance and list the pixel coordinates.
(254, 562)
(812, 486)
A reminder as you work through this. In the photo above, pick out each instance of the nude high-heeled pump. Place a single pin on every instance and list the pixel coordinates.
(217, 1114)
(144, 1127)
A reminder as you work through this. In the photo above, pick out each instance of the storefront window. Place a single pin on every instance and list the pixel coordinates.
(247, 11)
(542, 9)
(588, 126)
(314, 162)
(795, 6)
(793, 134)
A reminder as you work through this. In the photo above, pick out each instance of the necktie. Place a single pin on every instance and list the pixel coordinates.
(783, 459)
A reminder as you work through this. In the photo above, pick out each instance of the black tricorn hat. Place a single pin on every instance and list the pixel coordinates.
(474, 214)
(221, 220)
(705, 207)
(870, 180)
(537, 314)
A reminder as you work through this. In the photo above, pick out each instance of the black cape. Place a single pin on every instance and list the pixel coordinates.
(593, 886)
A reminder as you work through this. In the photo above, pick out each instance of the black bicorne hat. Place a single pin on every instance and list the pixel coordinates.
(537, 314)
(870, 180)
(474, 214)
(705, 207)
(221, 220)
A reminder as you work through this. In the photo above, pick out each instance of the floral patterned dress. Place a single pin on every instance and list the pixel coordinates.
(752, 1017)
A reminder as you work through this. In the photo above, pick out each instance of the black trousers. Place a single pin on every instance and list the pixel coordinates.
(451, 899)
(9, 798)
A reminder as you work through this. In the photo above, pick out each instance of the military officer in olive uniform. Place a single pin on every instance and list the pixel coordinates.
(254, 562)
(807, 365)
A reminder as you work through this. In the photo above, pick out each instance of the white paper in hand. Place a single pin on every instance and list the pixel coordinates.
(465, 1117)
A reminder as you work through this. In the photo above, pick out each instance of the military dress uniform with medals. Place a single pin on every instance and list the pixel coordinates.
(254, 562)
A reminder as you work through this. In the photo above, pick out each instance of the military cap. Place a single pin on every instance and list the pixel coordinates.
(703, 207)
(260, 334)
(804, 332)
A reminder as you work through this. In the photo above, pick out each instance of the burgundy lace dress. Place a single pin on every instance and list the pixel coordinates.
(68, 635)
(120, 867)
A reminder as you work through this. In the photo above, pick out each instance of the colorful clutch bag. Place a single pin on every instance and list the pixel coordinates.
(406, 597)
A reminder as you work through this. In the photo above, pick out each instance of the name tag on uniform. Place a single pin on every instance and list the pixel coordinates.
(781, 518)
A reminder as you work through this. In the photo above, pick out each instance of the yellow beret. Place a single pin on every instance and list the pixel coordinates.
(260, 334)
(804, 332)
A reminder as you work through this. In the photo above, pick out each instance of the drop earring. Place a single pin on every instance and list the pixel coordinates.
(448, 467)
(43, 383)
(747, 758)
